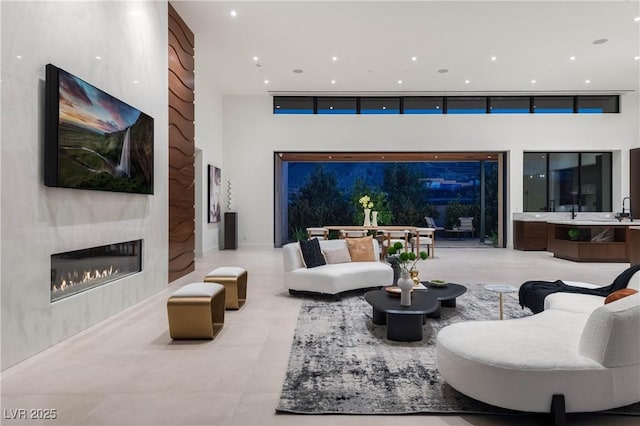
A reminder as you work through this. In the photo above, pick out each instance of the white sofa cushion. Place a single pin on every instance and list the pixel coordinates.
(585, 303)
(574, 302)
(523, 343)
(611, 335)
(339, 277)
(339, 255)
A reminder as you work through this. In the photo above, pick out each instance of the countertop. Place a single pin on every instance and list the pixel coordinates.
(554, 217)
(592, 222)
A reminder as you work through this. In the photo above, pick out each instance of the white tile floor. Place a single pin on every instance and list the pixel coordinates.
(127, 371)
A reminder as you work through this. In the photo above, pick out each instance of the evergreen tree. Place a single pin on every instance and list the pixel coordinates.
(407, 196)
(318, 202)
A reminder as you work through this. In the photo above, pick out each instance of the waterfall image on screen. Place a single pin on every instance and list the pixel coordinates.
(102, 142)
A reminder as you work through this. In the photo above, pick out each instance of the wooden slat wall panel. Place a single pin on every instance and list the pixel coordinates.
(181, 148)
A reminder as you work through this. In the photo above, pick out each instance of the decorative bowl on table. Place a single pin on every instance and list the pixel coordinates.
(438, 283)
(394, 290)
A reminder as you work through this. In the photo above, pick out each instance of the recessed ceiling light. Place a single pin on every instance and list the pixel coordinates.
(443, 71)
(600, 41)
(399, 81)
(333, 82)
(533, 82)
(331, 107)
(18, 56)
(636, 19)
(467, 81)
(233, 13)
(334, 58)
(636, 58)
(435, 156)
(136, 81)
(493, 58)
(437, 106)
(587, 81)
(277, 106)
(98, 57)
(266, 82)
(414, 58)
(384, 107)
(255, 58)
(572, 58)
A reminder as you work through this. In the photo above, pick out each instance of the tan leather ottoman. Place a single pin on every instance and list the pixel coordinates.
(234, 280)
(196, 311)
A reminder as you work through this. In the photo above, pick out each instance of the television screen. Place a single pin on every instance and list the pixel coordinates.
(93, 140)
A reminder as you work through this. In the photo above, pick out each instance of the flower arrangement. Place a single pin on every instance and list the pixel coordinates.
(406, 260)
(366, 202)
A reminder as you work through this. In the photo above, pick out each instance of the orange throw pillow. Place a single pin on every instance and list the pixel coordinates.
(619, 294)
(361, 249)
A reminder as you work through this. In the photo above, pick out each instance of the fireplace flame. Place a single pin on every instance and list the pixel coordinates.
(76, 278)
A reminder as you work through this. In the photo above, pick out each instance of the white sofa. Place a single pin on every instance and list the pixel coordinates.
(333, 278)
(579, 349)
(585, 303)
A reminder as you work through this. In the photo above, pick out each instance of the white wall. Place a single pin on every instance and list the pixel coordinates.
(252, 133)
(208, 104)
(38, 221)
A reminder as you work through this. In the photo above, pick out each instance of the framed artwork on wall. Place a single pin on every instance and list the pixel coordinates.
(215, 175)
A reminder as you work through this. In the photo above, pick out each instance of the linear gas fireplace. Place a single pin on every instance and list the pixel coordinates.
(76, 271)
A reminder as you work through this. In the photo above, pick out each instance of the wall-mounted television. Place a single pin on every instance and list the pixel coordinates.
(93, 140)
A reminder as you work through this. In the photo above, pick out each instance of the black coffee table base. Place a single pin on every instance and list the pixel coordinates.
(445, 294)
(404, 323)
(400, 327)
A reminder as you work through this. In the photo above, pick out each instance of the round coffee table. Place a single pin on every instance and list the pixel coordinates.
(499, 288)
(404, 323)
(446, 294)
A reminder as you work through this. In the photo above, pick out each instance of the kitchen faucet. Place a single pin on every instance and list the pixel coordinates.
(574, 213)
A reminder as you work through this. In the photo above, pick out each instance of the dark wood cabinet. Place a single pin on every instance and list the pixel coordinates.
(230, 230)
(634, 181)
(529, 235)
(634, 245)
(589, 245)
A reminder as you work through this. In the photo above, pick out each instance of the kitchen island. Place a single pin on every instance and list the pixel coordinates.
(589, 240)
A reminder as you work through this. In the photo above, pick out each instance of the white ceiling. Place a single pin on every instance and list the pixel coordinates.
(375, 40)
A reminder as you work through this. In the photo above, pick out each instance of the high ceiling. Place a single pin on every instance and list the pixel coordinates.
(374, 43)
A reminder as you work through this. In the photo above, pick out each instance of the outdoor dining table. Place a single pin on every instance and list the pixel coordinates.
(374, 229)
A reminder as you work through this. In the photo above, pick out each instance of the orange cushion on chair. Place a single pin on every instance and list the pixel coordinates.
(619, 294)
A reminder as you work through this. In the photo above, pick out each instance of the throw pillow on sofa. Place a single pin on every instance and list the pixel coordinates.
(339, 255)
(619, 294)
(361, 249)
(311, 253)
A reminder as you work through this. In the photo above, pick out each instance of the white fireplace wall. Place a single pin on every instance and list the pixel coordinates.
(131, 40)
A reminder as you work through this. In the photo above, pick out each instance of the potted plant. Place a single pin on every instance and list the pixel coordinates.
(406, 262)
(573, 234)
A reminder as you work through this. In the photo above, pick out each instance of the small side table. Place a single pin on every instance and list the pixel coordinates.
(500, 289)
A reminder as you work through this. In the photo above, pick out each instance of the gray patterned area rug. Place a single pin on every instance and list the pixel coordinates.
(342, 363)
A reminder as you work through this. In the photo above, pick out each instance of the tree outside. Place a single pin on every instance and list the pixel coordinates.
(328, 194)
